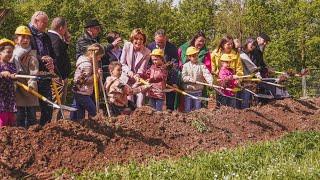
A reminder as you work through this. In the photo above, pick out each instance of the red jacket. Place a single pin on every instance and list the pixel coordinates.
(157, 76)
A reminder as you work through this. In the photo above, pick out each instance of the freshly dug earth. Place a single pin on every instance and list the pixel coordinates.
(90, 144)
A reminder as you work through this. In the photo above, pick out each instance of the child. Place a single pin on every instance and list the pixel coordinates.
(193, 71)
(227, 79)
(26, 64)
(118, 91)
(7, 92)
(83, 83)
(157, 77)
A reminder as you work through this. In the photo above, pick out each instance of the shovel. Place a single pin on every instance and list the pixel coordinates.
(37, 77)
(35, 93)
(95, 77)
(104, 96)
(187, 94)
(264, 96)
(265, 82)
(218, 88)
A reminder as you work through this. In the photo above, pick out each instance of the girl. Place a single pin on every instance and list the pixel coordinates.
(7, 92)
(118, 91)
(193, 71)
(157, 77)
(226, 79)
(83, 83)
(26, 63)
(226, 46)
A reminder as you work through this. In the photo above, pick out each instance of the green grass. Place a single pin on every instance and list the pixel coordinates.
(296, 156)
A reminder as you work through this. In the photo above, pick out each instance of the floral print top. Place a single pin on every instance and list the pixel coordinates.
(7, 91)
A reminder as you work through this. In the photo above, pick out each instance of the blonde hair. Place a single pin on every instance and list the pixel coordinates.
(36, 14)
(113, 65)
(94, 46)
(136, 32)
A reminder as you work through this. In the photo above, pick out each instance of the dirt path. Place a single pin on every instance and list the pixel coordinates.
(39, 151)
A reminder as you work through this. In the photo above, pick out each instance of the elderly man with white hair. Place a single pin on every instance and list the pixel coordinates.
(41, 42)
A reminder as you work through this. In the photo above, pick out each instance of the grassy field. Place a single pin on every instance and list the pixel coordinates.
(296, 156)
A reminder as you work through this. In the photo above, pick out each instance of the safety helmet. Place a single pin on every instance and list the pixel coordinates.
(157, 52)
(191, 50)
(5, 41)
(226, 57)
(23, 30)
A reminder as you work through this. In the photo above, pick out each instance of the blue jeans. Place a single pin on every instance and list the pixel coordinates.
(156, 103)
(82, 103)
(170, 99)
(192, 104)
(26, 116)
(44, 89)
(246, 99)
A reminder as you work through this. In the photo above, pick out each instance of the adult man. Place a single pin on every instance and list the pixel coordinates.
(170, 56)
(41, 42)
(90, 36)
(257, 54)
(60, 39)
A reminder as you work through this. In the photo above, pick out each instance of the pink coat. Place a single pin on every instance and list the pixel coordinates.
(141, 60)
(157, 76)
(226, 80)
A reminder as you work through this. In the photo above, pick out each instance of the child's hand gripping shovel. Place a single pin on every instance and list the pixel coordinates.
(187, 94)
(35, 93)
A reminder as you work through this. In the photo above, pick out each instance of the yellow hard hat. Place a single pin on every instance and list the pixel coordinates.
(226, 57)
(23, 30)
(157, 52)
(191, 50)
(5, 41)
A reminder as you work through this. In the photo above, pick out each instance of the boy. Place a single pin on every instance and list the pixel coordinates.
(27, 64)
(192, 72)
(118, 91)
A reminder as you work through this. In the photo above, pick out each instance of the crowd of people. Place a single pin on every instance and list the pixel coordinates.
(135, 73)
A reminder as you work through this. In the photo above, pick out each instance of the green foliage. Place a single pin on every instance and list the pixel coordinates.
(293, 25)
(199, 125)
(296, 156)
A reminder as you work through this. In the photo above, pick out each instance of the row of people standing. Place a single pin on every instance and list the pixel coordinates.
(51, 53)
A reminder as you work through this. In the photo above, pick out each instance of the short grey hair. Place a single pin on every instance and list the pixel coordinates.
(57, 23)
(160, 32)
(36, 14)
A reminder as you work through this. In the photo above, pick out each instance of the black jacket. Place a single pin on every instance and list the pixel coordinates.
(257, 59)
(44, 50)
(62, 59)
(83, 42)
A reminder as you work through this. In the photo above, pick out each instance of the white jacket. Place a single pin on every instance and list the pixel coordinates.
(195, 72)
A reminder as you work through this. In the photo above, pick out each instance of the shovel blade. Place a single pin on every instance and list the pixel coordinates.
(264, 96)
(67, 108)
(204, 99)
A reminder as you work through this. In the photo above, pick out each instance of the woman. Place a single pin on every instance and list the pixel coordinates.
(248, 68)
(226, 46)
(198, 41)
(134, 59)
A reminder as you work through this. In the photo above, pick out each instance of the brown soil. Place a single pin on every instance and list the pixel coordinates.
(39, 151)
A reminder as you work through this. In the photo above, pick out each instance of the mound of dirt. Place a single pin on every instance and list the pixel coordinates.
(92, 144)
